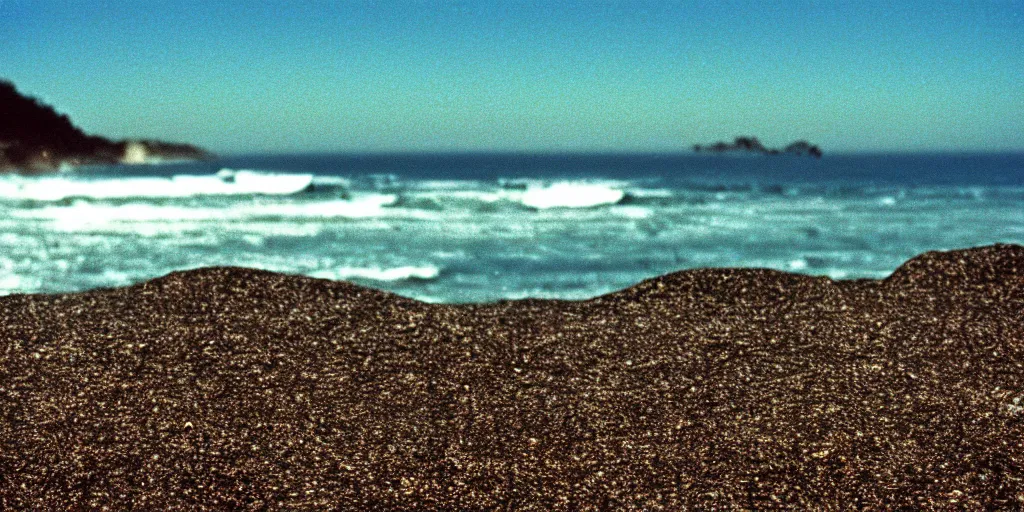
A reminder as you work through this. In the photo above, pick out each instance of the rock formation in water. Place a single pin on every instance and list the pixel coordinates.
(34, 138)
(752, 145)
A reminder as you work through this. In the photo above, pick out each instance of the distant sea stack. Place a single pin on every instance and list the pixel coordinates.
(752, 145)
(36, 138)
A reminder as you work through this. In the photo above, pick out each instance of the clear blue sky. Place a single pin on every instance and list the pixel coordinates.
(587, 75)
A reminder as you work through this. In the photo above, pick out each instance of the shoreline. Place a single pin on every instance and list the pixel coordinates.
(657, 281)
(729, 388)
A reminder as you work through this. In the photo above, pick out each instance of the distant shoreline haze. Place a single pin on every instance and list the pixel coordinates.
(34, 137)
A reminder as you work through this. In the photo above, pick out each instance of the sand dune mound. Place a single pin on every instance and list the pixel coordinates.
(239, 389)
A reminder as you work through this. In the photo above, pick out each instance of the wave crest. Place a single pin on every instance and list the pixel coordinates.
(226, 182)
(404, 273)
(571, 195)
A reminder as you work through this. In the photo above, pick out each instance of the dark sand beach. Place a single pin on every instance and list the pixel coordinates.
(227, 389)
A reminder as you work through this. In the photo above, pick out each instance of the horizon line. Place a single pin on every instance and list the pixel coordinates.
(609, 153)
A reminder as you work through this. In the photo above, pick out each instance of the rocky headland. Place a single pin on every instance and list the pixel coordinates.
(36, 138)
(740, 389)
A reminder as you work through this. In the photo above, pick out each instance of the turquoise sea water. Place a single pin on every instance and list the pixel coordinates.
(479, 227)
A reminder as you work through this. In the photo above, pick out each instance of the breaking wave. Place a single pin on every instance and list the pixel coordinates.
(82, 214)
(404, 273)
(226, 182)
(571, 195)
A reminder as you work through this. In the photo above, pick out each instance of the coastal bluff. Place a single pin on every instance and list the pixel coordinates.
(36, 138)
(230, 388)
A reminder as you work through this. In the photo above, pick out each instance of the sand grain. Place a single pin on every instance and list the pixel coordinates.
(238, 389)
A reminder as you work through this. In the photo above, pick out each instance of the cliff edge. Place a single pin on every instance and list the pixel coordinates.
(36, 138)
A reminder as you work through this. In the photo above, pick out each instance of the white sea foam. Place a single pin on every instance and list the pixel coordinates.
(225, 182)
(651, 193)
(14, 283)
(405, 273)
(446, 185)
(255, 182)
(371, 205)
(562, 195)
(483, 196)
(567, 194)
(455, 195)
(797, 264)
(84, 214)
(633, 212)
(334, 181)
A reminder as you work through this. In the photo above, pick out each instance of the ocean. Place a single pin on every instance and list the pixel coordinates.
(458, 228)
